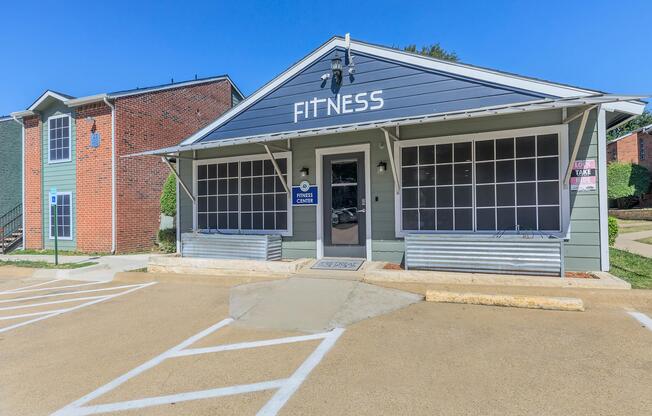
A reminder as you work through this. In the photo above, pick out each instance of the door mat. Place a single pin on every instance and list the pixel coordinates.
(337, 264)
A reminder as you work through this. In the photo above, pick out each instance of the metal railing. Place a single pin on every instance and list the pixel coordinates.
(11, 232)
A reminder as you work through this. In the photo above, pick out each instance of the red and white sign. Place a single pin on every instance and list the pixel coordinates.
(583, 176)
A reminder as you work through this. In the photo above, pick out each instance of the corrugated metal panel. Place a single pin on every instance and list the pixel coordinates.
(507, 254)
(228, 246)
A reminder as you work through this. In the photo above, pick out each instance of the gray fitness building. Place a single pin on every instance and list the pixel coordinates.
(364, 151)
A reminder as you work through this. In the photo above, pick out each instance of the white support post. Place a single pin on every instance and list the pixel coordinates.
(388, 144)
(176, 174)
(277, 169)
(602, 190)
(576, 146)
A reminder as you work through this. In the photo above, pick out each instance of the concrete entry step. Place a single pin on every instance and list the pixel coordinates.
(312, 304)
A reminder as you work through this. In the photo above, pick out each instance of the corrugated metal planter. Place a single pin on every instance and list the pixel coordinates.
(231, 246)
(485, 253)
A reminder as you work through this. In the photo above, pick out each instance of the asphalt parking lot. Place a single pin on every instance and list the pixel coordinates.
(168, 348)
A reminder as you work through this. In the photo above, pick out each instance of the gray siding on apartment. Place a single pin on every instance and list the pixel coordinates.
(582, 250)
(10, 165)
(407, 91)
(60, 175)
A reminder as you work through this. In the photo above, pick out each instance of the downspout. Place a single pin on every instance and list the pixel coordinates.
(113, 205)
(22, 170)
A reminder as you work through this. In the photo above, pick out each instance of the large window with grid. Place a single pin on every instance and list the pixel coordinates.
(64, 217)
(59, 138)
(484, 185)
(245, 195)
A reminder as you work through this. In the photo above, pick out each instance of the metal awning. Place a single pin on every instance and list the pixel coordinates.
(538, 105)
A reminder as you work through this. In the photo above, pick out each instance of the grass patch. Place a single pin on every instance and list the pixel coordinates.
(141, 270)
(632, 226)
(631, 267)
(647, 240)
(45, 264)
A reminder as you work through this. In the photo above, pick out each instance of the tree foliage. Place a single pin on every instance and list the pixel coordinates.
(434, 51)
(643, 120)
(169, 197)
(627, 180)
(613, 230)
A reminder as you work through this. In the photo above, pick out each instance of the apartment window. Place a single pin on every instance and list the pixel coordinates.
(64, 217)
(504, 184)
(59, 138)
(244, 195)
(641, 149)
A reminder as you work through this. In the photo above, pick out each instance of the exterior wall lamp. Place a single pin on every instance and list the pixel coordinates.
(304, 172)
(336, 69)
(382, 166)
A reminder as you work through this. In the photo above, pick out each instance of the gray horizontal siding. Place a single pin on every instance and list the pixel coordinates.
(407, 91)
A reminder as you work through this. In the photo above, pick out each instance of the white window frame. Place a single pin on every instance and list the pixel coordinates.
(51, 162)
(50, 216)
(564, 192)
(247, 158)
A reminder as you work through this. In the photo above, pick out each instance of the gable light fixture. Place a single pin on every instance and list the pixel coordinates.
(336, 68)
(304, 172)
(382, 166)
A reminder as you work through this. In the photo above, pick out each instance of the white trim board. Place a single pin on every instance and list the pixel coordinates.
(72, 216)
(481, 74)
(319, 156)
(47, 128)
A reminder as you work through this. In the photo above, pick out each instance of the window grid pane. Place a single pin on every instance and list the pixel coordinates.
(504, 184)
(64, 216)
(59, 139)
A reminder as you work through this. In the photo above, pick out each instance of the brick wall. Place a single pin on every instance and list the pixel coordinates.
(33, 238)
(151, 121)
(628, 150)
(93, 179)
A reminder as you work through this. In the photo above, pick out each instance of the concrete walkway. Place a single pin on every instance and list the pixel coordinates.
(105, 270)
(312, 304)
(627, 241)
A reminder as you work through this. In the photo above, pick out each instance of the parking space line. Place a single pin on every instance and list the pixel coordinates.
(43, 289)
(245, 345)
(281, 397)
(176, 398)
(286, 387)
(642, 318)
(51, 295)
(27, 287)
(54, 302)
(27, 315)
(62, 311)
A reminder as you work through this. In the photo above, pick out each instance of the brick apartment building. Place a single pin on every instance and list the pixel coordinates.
(634, 147)
(105, 201)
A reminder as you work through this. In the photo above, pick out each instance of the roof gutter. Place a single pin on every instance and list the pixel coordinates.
(76, 102)
(113, 201)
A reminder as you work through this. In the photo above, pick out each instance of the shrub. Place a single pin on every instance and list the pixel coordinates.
(169, 197)
(627, 181)
(167, 240)
(613, 230)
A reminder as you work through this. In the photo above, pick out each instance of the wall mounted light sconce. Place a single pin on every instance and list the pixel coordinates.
(336, 69)
(304, 172)
(382, 166)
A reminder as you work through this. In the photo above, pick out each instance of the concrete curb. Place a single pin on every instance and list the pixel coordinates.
(223, 279)
(225, 268)
(514, 301)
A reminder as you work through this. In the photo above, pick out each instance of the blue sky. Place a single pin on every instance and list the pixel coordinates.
(83, 48)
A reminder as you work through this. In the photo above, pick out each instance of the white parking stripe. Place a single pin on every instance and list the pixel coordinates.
(104, 289)
(26, 315)
(642, 318)
(61, 311)
(54, 302)
(69, 410)
(22, 290)
(286, 387)
(174, 398)
(281, 397)
(27, 287)
(253, 344)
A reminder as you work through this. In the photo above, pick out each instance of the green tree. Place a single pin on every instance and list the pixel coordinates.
(643, 120)
(169, 197)
(434, 51)
(627, 182)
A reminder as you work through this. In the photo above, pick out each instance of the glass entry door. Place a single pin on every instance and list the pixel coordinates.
(344, 206)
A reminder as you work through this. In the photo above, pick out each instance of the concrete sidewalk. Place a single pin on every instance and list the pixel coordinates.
(627, 242)
(105, 269)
